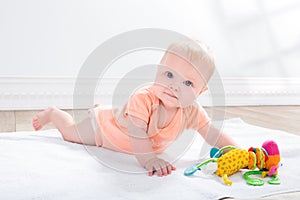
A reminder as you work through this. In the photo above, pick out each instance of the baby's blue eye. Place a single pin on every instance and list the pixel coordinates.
(188, 83)
(169, 75)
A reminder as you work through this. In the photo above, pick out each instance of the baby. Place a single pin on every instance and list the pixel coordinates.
(154, 116)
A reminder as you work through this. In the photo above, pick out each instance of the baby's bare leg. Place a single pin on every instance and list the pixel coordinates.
(81, 133)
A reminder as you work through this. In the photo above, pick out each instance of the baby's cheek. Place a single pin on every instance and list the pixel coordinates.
(191, 94)
(187, 100)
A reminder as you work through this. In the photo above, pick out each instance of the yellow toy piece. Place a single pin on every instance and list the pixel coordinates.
(266, 159)
(226, 180)
(232, 162)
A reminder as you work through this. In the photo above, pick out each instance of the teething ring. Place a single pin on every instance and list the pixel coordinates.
(253, 181)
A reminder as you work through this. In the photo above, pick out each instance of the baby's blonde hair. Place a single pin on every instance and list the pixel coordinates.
(195, 52)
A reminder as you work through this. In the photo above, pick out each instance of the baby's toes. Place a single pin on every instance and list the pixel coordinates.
(36, 124)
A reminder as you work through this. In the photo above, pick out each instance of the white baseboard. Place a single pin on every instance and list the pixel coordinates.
(30, 93)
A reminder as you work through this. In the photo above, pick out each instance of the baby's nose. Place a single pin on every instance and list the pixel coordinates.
(174, 87)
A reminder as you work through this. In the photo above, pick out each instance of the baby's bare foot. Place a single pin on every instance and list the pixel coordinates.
(41, 119)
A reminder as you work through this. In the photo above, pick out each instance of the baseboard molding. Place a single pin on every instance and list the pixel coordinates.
(34, 93)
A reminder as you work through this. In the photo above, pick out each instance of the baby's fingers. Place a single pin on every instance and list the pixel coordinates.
(154, 169)
(159, 172)
(173, 167)
(160, 167)
(150, 173)
(165, 170)
(170, 168)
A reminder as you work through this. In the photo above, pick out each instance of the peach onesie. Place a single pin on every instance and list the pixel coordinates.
(111, 129)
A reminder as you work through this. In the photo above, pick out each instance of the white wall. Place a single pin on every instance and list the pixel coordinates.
(263, 37)
(50, 39)
(53, 38)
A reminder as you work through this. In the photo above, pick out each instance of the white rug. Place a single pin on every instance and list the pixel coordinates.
(40, 165)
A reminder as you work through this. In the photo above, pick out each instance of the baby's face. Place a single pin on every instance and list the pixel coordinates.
(177, 82)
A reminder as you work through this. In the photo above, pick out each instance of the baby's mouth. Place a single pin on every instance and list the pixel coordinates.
(170, 94)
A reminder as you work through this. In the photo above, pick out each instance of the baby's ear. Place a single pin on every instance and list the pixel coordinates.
(203, 89)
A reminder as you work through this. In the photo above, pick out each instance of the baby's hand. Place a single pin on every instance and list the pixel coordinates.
(161, 167)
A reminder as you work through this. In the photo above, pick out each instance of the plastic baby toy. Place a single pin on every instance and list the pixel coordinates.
(266, 159)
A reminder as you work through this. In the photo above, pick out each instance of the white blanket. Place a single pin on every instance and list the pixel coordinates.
(40, 165)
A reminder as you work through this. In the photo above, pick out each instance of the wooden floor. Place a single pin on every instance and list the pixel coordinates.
(286, 118)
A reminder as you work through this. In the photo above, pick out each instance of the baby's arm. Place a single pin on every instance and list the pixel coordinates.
(216, 137)
(142, 147)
